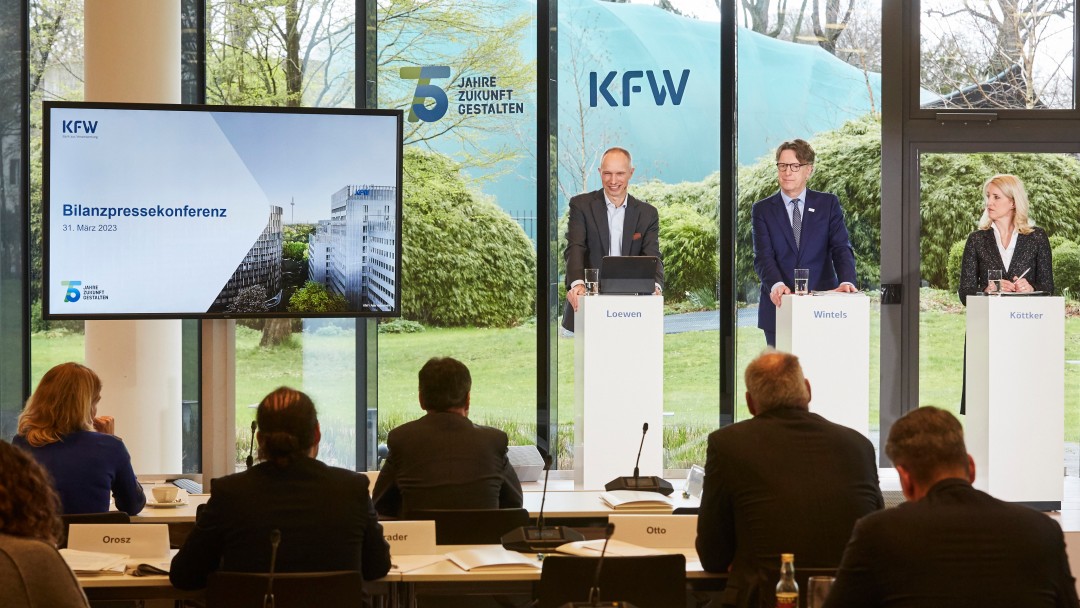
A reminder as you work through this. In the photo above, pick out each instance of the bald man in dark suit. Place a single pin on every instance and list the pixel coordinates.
(594, 223)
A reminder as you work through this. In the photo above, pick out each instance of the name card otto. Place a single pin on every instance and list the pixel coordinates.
(656, 531)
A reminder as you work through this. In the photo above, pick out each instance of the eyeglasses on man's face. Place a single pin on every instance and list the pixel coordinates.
(793, 167)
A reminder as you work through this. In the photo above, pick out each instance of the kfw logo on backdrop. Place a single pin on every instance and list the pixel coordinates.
(73, 294)
(631, 85)
(425, 90)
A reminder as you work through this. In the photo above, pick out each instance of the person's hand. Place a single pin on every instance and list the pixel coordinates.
(574, 293)
(846, 288)
(1021, 285)
(105, 424)
(1007, 285)
(658, 291)
(777, 293)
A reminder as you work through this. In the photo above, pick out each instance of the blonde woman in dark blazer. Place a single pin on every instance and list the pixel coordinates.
(1006, 240)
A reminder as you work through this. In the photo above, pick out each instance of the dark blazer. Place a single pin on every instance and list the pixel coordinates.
(324, 514)
(444, 461)
(825, 248)
(956, 547)
(785, 481)
(588, 239)
(981, 254)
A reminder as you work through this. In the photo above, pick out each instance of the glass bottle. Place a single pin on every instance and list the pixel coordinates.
(787, 590)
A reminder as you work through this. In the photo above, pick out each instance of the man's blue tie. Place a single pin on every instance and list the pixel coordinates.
(796, 221)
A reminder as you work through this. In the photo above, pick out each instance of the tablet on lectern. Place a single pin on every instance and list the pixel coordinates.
(628, 275)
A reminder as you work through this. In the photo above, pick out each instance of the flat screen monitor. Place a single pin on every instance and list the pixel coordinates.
(213, 212)
(628, 275)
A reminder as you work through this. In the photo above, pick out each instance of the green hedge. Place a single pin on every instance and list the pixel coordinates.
(464, 261)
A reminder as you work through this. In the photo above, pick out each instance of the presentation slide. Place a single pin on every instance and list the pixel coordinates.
(205, 212)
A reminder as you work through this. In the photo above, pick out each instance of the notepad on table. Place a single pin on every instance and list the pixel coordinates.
(492, 558)
(630, 500)
(618, 548)
(92, 562)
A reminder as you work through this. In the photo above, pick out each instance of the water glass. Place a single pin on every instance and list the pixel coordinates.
(994, 278)
(592, 281)
(802, 281)
(817, 589)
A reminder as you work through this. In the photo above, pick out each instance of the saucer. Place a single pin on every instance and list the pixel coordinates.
(179, 502)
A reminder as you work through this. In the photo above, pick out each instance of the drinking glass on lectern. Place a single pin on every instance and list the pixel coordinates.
(994, 278)
(802, 281)
(592, 281)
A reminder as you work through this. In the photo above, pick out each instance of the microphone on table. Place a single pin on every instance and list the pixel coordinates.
(275, 540)
(251, 446)
(651, 483)
(594, 591)
(538, 538)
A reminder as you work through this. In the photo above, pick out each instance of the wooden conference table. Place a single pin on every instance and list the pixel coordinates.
(561, 505)
(411, 575)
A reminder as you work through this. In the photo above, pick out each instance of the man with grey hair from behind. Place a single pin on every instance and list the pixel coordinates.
(785, 481)
(950, 544)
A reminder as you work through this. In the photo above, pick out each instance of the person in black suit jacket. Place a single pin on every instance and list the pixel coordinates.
(443, 460)
(823, 246)
(589, 233)
(324, 513)
(1006, 240)
(950, 544)
(785, 481)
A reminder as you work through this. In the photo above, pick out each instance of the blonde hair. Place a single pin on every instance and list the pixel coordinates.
(63, 403)
(1013, 188)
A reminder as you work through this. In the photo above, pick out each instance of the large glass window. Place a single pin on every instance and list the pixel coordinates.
(950, 205)
(464, 73)
(997, 54)
(645, 78)
(813, 75)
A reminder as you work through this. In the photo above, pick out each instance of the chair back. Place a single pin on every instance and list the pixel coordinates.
(472, 526)
(291, 589)
(109, 517)
(653, 581)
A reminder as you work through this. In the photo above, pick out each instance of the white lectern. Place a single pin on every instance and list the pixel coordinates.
(830, 333)
(1015, 385)
(618, 386)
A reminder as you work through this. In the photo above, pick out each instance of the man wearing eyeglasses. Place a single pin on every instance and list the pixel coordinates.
(798, 228)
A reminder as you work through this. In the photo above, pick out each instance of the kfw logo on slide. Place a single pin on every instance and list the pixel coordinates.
(72, 294)
(78, 127)
(425, 90)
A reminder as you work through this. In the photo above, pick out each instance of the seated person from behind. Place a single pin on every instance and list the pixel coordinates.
(324, 513)
(950, 544)
(32, 573)
(785, 481)
(442, 460)
(60, 428)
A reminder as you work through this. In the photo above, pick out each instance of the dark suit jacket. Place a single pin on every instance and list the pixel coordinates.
(825, 248)
(956, 547)
(785, 481)
(444, 461)
(981, 254)
(588, 239)
(324, 513)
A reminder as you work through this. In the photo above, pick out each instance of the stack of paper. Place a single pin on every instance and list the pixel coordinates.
(630, 500)
(91, 562)
(492, 558)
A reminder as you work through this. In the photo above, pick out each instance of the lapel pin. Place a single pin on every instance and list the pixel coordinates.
(811, 209)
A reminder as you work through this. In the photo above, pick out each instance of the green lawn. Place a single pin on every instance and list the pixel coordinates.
(503, 365)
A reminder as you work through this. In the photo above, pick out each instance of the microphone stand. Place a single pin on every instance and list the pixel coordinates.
(651, 483)
(275, 540)
(529, 539)
(594, 591)
(251, 446)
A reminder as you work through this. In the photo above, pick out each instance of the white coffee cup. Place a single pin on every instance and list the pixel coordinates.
(165, 493)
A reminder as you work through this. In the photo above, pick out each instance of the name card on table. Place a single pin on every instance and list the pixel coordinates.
(656, 531)
(410, 537)
(149, 541)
